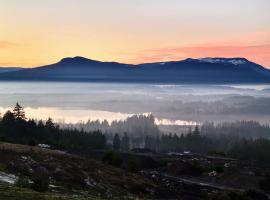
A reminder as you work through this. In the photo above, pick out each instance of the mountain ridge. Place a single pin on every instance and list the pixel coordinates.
(190, 70)
(9, 69)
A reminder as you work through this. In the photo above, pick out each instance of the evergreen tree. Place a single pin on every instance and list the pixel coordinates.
(8, 118)
(157, 144)
(196, 130)
(147, 143)
(125, 142)
(18, 112)
(116, 142)
(49, 123)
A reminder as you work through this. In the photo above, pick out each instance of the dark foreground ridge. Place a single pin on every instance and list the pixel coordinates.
(30, 173)
(68, 176)
(205, 70)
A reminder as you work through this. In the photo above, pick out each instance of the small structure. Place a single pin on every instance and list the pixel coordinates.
(44, 146)
(212, 174)
(187, 152)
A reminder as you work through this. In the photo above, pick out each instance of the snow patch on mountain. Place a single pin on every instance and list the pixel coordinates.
(221, 60)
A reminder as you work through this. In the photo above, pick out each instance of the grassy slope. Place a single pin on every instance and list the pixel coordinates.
(70, 171)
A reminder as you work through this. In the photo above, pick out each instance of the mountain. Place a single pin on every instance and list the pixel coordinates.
(205, 70)
(72, 69)
(211, 70)
(9, 69)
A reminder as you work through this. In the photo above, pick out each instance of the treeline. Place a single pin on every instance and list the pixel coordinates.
(192, 141)
(136, 125)
(258, 149)
(241, 129)
(131, 130)
(15, 128)
(196, 142)
(232, 139)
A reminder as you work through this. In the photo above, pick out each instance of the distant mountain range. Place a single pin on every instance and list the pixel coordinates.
(9, 69)
(205, 70)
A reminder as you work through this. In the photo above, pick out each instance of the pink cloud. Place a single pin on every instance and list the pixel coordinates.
(256, 53)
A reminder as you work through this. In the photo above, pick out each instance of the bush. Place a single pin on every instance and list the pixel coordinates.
(253, 194)
(3, 139)
(218, 169)
(196, 168)
(41, 184)
(41, 180)
(265, 184)
(113, 158)
(133, 165)
(3, 167)
(258, 173)
(247, 195)
(22, 182)
(32, 142)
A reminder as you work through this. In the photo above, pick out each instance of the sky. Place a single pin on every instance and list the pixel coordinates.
(39, 32)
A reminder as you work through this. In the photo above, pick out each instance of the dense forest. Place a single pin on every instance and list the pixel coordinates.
(15, 128)
(136, 125)
(143, 125)
(242, 129)
(245, 140)
(237, 147)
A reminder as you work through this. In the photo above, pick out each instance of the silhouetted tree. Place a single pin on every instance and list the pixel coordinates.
(196, 130)
(116, 142)
(49, 123)
(147, 142)
(8, 118)
(125, 144)
(18, 112)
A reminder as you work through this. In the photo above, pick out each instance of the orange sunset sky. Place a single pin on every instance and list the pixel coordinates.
(38, 32)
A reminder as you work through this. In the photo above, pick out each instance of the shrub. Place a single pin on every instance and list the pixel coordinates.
(133, 165)
(253, 194)
(218, 169)
(258, 173)
(41, 184)
(22, 182)
(265, 184)
(3, 139)
(3, 167)
(40, 180)
(196, 168)
(113, 158)
(32, 142)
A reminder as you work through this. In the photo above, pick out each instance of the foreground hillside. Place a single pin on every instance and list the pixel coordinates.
(23, 172)
(69, 175)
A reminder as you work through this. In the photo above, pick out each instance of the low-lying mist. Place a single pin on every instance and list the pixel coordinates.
(190, 104)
